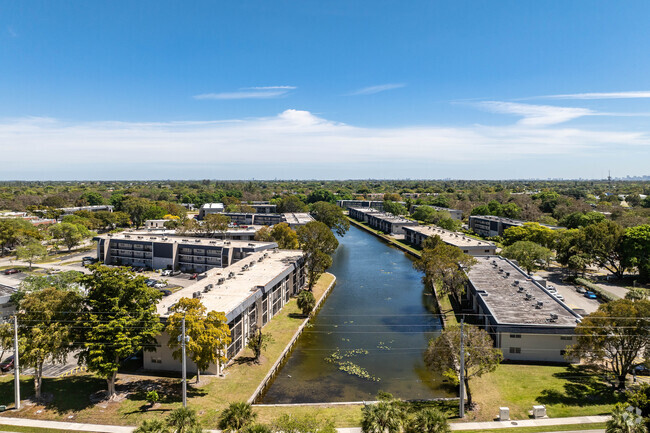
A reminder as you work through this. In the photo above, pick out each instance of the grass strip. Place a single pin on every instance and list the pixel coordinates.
(539, 429)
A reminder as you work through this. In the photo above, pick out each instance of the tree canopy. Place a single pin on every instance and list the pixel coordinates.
(209, 334)
(317, 243)
(120, 319)
(614, 336)
(528, 254)
(331, 215)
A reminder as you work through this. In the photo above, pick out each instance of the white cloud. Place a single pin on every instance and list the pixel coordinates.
(604, 95)
(292, 137)
(537, 115)
(265, 92)
(376, 89)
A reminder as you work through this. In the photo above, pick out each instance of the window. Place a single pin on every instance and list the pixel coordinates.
(515, 350)
(156, 360)
(566, 337)
(487, 251)
(515, 335)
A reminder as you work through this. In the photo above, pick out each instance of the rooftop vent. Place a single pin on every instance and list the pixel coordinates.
(529, 296)
(197, 240)
(521, 289)
(554, 316)
(196, 295)
(516, 282)
(539, 305)
(507, 274)
(221, 281)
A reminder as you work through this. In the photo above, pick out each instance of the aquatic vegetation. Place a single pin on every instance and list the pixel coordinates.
(338, 357)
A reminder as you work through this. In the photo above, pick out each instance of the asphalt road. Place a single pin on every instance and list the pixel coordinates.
(572, 298)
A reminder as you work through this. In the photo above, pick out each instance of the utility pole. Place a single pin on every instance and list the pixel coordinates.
(183, 340)
(16, 365)
(462, 370)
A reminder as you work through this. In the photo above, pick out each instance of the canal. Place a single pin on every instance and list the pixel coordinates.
(369, 336)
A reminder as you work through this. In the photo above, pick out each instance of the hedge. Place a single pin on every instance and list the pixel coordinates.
(601, 293)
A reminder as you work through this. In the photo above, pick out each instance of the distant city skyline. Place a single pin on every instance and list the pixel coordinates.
(313, 90)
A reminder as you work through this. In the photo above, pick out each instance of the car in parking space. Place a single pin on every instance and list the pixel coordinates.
(194, 276)
(160, 285)
(558, 296)
(580, 289)
(166, 273)
(590, 295)
(7, 364)
(12, 271)
(166, 292)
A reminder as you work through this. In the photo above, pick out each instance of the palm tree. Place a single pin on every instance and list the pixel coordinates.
(383, 417)
(152, 426)
(236, 416)
(183, 420)
(429, 420)
(626, 420)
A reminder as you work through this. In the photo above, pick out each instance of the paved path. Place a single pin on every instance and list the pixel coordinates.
(546, 422)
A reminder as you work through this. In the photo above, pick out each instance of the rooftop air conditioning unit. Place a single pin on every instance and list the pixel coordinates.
(554, 316)
(197, 240)
(539, 305)
(529, 296)
(213, 242)
(221, 281)
(507, 274)
(516, 282)
(196, 295)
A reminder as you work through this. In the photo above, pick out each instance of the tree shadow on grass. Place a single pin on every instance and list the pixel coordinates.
(582, 388)
(72, 394)
(297, 316)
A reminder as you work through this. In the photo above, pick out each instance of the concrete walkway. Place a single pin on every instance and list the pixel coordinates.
(546, 422)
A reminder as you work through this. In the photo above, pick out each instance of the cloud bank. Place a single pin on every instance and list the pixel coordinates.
(376, 89)
(264, 92)
(294, 137)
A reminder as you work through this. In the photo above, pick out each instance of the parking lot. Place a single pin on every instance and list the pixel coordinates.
(572, 298)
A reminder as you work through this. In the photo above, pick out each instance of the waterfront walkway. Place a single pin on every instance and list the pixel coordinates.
(545, 422)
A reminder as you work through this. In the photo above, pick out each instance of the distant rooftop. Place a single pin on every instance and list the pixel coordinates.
(513, 297)
(512, 221)
(449, 237)
(212, 206)
(300, 218)
(148, 237)
(230, 290)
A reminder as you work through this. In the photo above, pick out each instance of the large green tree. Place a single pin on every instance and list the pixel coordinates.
(614, 336)
(16, 231)
(331, 215)
(46, 331)
(120, 319)
(317, 243)
(208, 331)
(533, 232)
(33, 250)
(528, 254)
(603, 243)
(216, 223)
(70, 234)
(444, 266)
(636, 249)
(285, 236)
(443, 355)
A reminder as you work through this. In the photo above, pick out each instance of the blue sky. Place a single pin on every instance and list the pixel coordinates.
(313, 89)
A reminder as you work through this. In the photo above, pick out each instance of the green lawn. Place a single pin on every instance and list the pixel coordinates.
(565, 390)
(22, 429)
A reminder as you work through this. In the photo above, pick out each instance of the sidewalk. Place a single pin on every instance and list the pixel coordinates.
(578, 420)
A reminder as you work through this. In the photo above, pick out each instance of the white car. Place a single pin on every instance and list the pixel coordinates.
(166, 273)
(558, 296)
(160, 285)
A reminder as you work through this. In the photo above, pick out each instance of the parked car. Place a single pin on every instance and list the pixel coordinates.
(590, 295)
(160, 285)
(558, 296)
(166, 292)
(550, 287)
(552, 291)
(7, 364)
(12, 271)
(580, 289)
(194, 276)
(166, 273)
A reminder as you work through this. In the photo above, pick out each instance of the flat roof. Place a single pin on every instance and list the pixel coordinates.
(511, 221)
(212, 206)
(298, 218)
(449, 237)
(504, 287)
(186, 240)
(242, 289)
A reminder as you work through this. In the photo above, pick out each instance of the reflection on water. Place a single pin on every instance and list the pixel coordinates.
(378, 307)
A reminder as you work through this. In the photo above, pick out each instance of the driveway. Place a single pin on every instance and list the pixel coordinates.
(572, 298)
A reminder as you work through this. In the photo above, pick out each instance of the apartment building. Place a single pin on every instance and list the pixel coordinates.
(416, 235)
(455, 214)
(249, 293)
(489, 225)
(524, 319)
(179, 253)
(385, 222)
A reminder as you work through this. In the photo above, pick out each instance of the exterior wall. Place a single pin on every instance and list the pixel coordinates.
(534, 347)
(389, 224)
(346, 204)
(416, 238)
(154, 224)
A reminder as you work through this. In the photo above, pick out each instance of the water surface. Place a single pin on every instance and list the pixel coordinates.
(378, 306)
